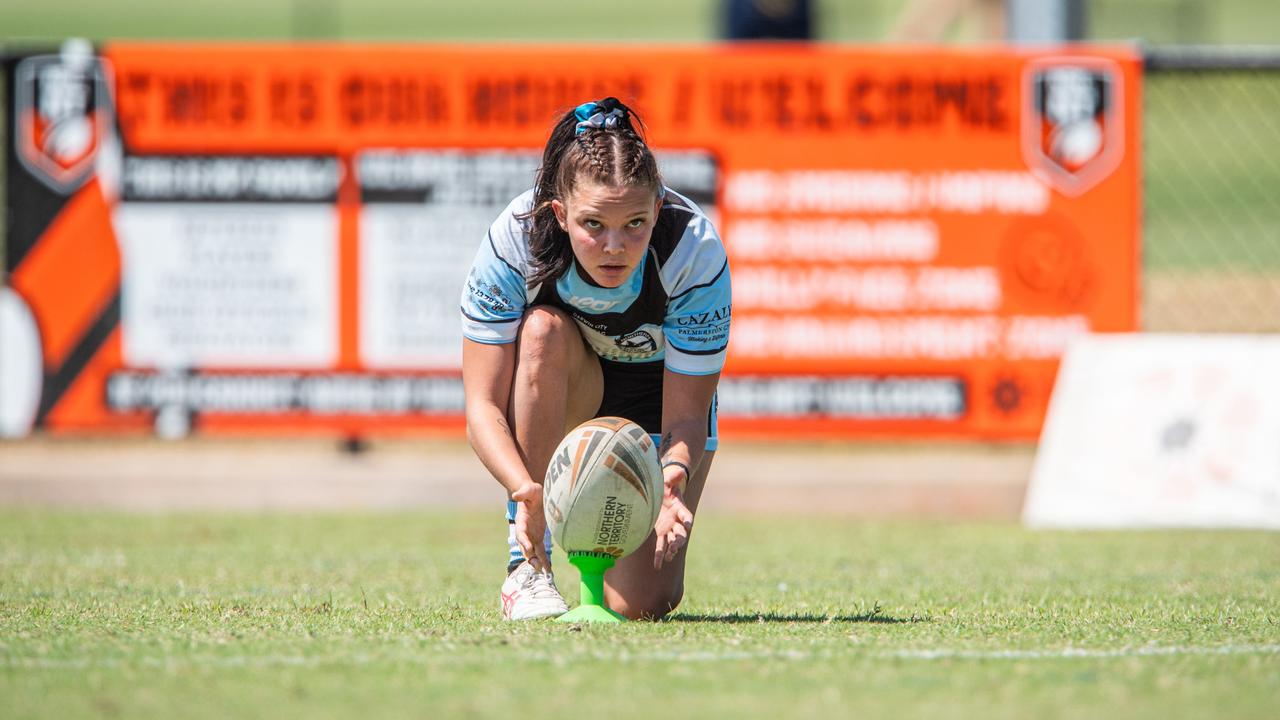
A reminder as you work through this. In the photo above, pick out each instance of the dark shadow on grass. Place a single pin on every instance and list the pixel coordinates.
(874, 616)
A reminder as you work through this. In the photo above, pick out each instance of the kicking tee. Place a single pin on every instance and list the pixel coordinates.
(675, 307)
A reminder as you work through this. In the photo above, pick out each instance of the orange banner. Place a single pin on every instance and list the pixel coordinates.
(914, 234)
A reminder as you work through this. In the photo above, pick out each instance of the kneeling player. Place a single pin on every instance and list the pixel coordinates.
(598, 292)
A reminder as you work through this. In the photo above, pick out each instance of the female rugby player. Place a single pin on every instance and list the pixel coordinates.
(598, 292)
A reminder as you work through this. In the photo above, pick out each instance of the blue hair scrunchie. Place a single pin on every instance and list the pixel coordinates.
(590, 116)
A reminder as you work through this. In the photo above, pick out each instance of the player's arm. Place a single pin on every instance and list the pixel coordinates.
(686, 400)
(696, 330)
(686, 403)
(487, 372)
(493, 302)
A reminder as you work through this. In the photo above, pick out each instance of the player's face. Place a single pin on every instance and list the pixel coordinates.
(609, 228)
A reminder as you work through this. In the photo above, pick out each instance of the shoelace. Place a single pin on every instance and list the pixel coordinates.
(540, 586)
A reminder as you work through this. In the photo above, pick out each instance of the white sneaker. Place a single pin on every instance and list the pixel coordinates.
(529, 595)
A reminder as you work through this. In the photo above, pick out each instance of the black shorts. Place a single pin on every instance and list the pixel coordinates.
(634, 391)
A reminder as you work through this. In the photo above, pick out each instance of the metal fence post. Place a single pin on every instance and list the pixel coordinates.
(1045, 21)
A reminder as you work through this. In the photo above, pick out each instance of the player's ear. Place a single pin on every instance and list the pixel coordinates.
(562, 216)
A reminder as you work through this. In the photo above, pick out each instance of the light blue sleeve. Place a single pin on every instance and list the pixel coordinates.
(696, 327)
(493, 298)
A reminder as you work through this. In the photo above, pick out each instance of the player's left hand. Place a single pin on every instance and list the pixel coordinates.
(675, 521)
(531, 525)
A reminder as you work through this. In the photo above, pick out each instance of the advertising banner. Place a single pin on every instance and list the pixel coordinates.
(1153, 430)
(274, 237)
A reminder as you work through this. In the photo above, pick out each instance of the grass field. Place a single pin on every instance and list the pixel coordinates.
(1209, 179)
(200, 616)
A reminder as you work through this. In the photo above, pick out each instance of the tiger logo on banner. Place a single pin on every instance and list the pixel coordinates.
(62, 113)
(1073, 124)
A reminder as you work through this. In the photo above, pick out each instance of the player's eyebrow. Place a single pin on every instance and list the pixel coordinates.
(591, 211)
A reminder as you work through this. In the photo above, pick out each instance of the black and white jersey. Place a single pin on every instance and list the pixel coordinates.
(675, 307)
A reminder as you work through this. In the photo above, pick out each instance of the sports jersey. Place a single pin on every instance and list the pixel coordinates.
(675, 306)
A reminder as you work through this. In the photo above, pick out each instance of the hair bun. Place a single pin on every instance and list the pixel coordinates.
(612, 103)
(608, 114)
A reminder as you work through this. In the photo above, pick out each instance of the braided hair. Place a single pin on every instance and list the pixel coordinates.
(597, 142)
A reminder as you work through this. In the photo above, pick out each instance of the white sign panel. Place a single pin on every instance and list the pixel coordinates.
(21, 365)
(424, 213)
(229, 285)
(1161, 431)
(413, 261)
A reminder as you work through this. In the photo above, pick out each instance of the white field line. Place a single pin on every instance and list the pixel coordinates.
(12, 662)
(1070, 652)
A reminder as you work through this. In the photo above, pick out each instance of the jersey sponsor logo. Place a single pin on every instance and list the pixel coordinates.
(1072, 124)
(716, 336)
(489, 296)
(592, 324)
(718, 315)
(639, 341)
(643, 343)
(62, 114)
(592, 304)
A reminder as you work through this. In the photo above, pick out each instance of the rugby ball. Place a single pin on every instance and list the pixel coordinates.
(603, 488)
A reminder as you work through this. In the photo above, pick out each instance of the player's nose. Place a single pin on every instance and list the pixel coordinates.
(613, 243)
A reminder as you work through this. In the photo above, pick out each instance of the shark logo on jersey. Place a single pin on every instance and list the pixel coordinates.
(638, 341)
(637, 345)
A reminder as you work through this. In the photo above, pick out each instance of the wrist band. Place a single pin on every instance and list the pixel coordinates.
(688, 474)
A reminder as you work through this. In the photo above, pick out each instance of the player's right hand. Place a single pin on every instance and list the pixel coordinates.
(531, 525)
(675, 521)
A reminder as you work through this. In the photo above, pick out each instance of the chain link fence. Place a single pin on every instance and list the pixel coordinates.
(1211, 246)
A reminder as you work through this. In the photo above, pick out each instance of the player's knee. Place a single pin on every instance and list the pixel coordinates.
(544, 333)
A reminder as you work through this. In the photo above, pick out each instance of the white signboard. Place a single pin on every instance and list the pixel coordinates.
(21, 373)
(1161, 431)
(413, 261)
(229, 285)
(423, 215)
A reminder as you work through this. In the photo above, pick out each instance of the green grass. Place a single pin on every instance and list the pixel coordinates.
(1210, 176)
(413, 20)
(396, 616)
(358, 20)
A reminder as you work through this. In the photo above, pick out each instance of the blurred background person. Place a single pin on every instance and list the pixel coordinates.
(768, 20)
